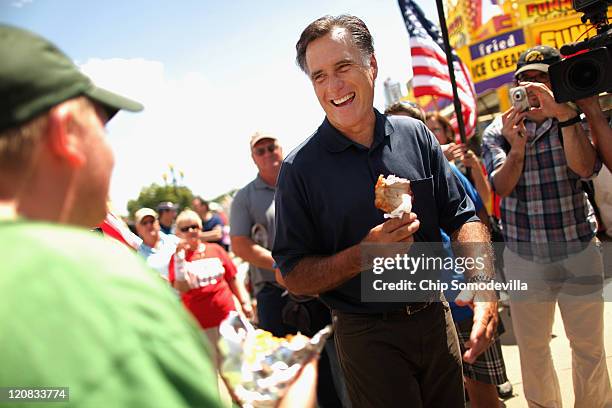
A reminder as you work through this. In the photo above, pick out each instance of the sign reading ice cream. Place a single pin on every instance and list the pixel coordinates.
(494, 59)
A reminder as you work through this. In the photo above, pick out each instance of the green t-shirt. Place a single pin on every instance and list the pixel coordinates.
(81, 312)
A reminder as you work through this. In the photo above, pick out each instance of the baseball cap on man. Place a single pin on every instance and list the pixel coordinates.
(35, 76)
(257, 136)
(538, 58)
(142, 213)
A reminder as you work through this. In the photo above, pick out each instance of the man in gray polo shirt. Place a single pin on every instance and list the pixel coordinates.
(252, 232)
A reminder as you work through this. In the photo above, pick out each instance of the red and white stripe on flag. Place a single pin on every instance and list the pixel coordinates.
(114, 227)
(431, 78)
(430, 69)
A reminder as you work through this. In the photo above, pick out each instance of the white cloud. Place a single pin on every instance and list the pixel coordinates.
(21, 3)
(202, 124)
(200, 127)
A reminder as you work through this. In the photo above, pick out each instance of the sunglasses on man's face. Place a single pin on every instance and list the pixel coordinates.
(189, 228)
(260, 151)
(540, 77)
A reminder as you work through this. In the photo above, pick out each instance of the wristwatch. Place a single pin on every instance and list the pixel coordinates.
(480, 278)
(570, 122)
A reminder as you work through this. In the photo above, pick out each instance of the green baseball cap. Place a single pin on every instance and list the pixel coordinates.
(35, 76)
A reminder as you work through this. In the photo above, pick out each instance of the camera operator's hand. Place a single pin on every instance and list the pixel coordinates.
(601, 132)
(579, 152)
(548, 108)
(514, 130)
(590, 106)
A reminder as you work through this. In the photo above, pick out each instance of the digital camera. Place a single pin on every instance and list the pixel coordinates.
(519, 99)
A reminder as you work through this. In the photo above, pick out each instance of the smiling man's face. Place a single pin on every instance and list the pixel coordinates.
(342, 80)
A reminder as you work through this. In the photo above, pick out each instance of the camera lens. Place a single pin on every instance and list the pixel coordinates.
(584, 75)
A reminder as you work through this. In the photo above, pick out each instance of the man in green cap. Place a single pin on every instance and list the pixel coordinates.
(78, 311)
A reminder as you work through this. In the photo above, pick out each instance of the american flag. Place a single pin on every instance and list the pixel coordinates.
(114, 227)
(429, 67)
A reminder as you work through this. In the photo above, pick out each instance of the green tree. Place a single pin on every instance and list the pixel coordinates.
(223, 196)
(154, 194)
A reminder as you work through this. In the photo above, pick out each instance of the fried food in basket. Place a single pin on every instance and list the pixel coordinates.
(389, 194)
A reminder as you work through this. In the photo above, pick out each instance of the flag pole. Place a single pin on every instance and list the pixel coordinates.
(451, 70)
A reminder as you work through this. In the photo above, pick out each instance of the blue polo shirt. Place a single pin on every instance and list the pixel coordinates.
(325, 196)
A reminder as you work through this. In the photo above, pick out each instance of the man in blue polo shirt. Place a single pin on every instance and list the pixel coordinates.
(325, 210)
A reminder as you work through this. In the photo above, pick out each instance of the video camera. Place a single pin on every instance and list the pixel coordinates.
(589, 73)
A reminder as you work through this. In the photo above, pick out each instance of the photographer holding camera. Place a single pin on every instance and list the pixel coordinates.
(600, 126)
(536, 155)
(585, 73)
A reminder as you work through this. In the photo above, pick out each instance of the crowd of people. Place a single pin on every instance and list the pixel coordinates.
(117, 334)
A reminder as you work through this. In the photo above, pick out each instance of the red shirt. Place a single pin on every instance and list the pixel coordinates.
(212, 301)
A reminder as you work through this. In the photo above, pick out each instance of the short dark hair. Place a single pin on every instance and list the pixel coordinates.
(201, 200)
(324, 25)
(408, 109)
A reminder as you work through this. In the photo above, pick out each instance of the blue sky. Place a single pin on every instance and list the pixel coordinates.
(209, 75)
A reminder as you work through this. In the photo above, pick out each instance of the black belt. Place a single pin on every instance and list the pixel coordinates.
(408, 310)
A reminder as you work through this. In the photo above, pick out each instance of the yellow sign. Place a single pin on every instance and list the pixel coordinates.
(495, 25)
(532, 11)
(558, 32)
(492, 60)
(458, 24)
(457, 32)
(497, 64)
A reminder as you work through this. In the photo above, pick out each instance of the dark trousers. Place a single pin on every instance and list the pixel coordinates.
(270, 304)
(400, 360)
